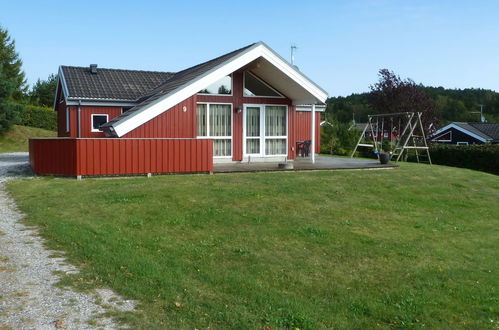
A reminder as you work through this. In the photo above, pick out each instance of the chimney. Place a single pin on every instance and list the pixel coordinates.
(93, 68)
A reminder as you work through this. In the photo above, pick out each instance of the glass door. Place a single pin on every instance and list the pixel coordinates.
(265, 130)
(253, 115)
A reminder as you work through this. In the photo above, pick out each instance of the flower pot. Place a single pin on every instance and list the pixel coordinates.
(384, 157)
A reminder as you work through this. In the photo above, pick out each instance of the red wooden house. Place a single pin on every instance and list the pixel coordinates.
(249, 105)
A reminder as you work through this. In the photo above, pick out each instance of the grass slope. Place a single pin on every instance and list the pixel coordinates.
(411, 247)
(16, 139)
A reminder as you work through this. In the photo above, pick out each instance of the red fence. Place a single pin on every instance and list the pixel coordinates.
(74, 157)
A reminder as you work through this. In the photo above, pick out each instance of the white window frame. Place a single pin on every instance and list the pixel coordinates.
(92, 129)
(263, 82)
(263, 137)
(208, 136)
(462, 143)
(231, 89)
(67, 119)
(438, 138)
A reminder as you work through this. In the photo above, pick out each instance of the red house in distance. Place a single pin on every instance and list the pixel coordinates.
(249, 105)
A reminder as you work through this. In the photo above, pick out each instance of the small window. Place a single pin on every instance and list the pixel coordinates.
(67, 119)
(221, 87)
(462, 143)
(253, 86)
(98, 121)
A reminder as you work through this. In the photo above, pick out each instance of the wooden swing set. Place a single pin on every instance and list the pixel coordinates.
(385, 129)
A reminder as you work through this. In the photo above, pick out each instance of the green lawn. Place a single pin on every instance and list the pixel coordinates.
(16, 139)
(413, 247)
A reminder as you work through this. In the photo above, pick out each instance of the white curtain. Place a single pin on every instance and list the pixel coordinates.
(222, 147)
(201, 119)
(253, 146)
(275, 146)
(252, 121)
(220, 120)
(275, 120)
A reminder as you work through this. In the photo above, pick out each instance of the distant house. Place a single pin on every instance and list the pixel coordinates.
(247, 105)
(460, 133)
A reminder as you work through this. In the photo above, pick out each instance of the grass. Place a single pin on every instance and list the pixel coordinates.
(16, 139)
(411, 247)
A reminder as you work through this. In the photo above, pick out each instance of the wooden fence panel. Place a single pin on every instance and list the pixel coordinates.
(100, 156)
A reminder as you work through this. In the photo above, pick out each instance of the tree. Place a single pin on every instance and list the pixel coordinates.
(9, 111)
(12, 65)
(391, 94)
(43, 91)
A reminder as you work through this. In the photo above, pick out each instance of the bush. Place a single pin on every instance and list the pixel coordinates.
(339, 139)
(40, 117)
(480, 157)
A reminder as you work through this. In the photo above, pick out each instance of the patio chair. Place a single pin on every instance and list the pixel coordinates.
(303, 148)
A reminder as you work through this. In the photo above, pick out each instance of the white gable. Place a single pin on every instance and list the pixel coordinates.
(269, 65)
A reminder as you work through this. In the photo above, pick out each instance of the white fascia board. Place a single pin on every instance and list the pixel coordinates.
(185, 91)
(318, 108)
(459, 128)
(62, 79)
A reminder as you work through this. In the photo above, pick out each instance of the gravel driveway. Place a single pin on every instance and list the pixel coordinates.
(28, 298)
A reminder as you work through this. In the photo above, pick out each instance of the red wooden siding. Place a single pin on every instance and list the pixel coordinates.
(120, 156)
(302, 128)
(53, 156)
(174, 123)
(86, 119)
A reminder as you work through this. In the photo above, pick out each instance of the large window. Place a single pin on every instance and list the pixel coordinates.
(253, 86)
(98, 121)
(265, 130)
(221, 87)
(215, 121)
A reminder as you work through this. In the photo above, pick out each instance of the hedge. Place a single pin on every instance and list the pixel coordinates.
(38, 117)
(480, 157)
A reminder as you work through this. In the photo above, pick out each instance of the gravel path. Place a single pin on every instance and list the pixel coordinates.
(28, 297)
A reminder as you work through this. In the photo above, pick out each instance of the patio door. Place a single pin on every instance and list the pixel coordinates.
(265, 130)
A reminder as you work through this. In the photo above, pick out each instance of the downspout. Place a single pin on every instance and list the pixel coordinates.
(79, 119)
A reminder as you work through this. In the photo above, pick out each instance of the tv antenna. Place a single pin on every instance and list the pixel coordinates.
(482, 117)
(293, 50)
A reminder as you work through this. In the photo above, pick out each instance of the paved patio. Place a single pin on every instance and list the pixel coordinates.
(303, 164)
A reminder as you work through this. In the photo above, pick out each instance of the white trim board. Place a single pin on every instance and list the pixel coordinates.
(461, 129)
(190, 88)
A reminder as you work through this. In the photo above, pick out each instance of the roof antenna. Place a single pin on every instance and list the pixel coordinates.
(293, 50)
(482, 117)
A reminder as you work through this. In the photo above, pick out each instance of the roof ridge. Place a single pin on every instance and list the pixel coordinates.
(113, 69)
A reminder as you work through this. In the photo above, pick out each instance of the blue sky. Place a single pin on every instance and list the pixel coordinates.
(342, 44)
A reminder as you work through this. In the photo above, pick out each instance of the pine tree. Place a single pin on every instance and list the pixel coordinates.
(43, 91)
(12, 65)
(9, 111)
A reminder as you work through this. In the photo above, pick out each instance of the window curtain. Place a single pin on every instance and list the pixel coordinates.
(275, 146)
(275, 121)
(222, 147)
(201, 119)
(220, 120)
(252, 121)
